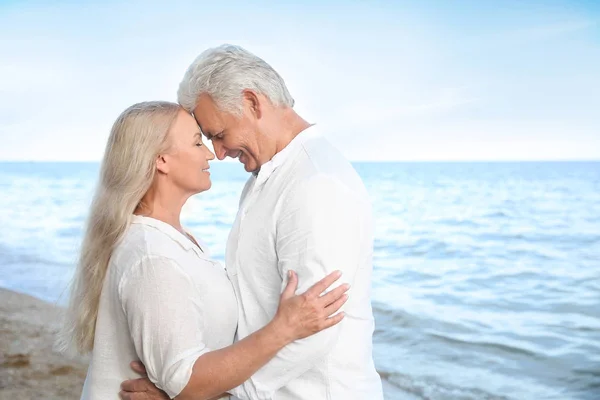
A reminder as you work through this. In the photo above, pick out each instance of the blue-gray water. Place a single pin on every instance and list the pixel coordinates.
(486, 275)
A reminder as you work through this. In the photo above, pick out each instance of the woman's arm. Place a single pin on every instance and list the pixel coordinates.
(215, 372)
(297, 317)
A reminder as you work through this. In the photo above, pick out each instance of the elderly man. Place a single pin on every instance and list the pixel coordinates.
(304, 208)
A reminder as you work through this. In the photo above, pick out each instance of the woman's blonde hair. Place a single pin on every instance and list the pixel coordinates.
(137, 137)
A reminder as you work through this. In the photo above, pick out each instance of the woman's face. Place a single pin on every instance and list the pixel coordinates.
(186, 162)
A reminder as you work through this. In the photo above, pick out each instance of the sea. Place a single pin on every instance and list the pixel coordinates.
(486, 279)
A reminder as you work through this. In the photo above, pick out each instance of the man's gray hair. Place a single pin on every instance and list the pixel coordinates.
(224, 72)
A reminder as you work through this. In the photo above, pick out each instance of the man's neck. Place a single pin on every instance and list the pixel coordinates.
(291, 126)
(294, 125)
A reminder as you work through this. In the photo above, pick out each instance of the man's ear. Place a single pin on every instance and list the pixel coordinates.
(252, 102)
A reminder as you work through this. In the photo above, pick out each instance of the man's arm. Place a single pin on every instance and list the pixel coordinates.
(321, 228)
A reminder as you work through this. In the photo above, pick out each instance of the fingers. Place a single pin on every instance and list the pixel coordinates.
(138, 367)
(136, 385)
(334, 294)
(336, 319)
(292, 285)
(336, 305)
(126, 395)
(123, 395)
(319, 287)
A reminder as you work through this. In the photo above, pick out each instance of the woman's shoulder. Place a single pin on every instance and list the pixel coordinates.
(139, 242)
(143, 242)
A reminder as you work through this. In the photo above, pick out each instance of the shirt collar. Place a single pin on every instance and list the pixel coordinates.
(171, 232)
(267, 169)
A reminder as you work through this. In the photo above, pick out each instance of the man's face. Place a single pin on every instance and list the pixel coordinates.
(231, 136)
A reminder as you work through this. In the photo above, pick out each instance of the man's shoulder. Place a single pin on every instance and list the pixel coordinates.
(320, 190)
(327, 171)
(323, 155)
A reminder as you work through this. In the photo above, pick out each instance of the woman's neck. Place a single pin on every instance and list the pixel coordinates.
(164, 206)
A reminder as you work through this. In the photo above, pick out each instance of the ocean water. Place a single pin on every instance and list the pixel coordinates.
(486, 275)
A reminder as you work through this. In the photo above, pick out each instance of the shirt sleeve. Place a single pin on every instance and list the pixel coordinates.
(320, 230)
(165, 321)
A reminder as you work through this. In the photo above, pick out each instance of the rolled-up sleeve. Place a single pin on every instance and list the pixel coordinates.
(165, 320)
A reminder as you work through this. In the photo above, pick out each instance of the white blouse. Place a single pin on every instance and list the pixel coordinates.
(164, 302)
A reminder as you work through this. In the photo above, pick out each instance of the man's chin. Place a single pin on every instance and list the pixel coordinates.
(251, 168)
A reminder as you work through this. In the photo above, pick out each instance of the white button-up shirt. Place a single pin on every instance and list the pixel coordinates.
(306, 210)
(165, 302)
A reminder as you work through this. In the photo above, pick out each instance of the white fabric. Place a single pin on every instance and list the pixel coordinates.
(306, 210)
(164, 302)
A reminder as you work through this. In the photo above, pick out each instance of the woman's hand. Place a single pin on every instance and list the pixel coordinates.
(299, 316)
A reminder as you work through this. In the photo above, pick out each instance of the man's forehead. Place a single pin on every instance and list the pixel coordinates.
(202, 128)
(206, 112)
(205, 104)
(206, 127)
(208, 117)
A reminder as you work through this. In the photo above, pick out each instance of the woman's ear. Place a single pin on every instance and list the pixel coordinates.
(161, 164)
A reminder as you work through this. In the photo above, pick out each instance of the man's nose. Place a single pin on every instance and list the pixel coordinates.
(220, 151)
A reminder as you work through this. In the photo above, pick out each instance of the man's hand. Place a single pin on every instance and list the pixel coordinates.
(142, 388)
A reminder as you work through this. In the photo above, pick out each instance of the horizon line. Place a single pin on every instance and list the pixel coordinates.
(352, 161)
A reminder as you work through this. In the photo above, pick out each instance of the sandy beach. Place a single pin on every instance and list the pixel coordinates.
(29, 367)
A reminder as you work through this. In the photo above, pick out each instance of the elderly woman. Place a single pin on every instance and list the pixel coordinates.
(146, 289)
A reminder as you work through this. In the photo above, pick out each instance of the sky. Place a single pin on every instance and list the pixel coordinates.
(383, 80)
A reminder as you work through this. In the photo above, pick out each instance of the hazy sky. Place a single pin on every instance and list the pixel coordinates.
(389, 80)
